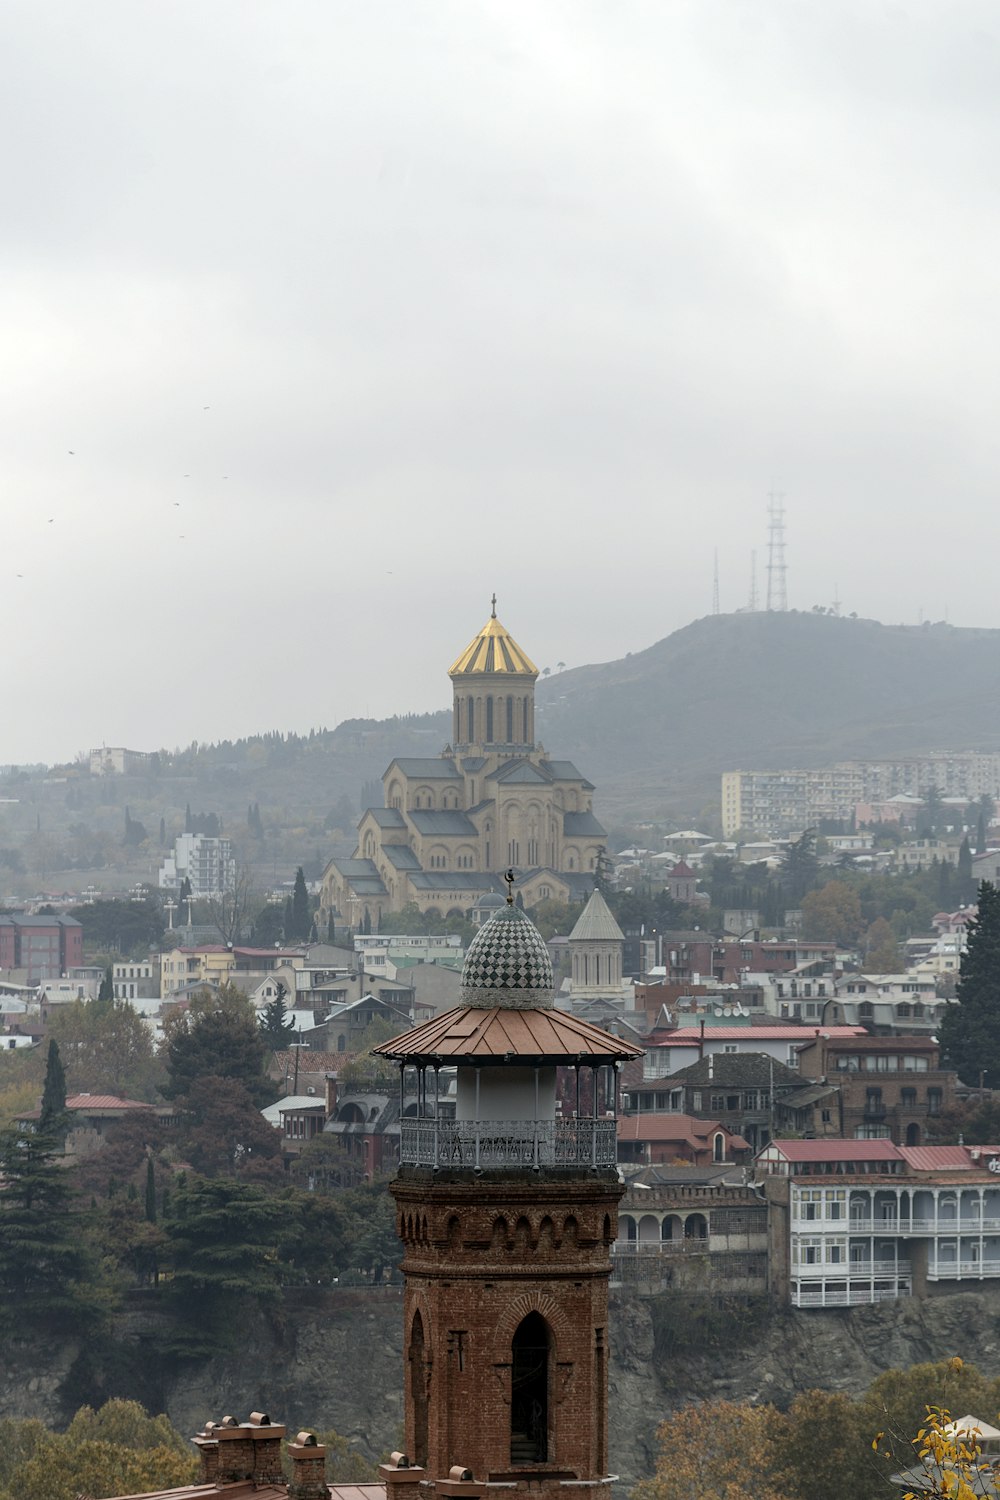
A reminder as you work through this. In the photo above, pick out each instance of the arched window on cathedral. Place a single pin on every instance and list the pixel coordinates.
(510, 720)
(531, 1351)
(472, 721)
(525, 716)
(489, 720)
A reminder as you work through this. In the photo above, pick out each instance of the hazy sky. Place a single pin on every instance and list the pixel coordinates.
(323, 320)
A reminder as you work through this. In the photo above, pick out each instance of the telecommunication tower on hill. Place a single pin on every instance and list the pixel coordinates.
(777, 597)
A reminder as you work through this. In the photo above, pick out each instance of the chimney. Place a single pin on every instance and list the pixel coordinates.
(235, 1451)
(401, 1478)
(266, 1437)
(308, 1481)
(208, 1452)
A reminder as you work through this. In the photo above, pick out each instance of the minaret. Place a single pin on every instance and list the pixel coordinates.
(494, 692)
(507, 1213)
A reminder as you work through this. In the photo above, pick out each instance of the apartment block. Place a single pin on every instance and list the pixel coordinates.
(778, 802)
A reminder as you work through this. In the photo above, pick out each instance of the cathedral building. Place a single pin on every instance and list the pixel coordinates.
(492, 800)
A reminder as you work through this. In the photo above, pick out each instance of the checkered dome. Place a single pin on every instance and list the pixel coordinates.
(508, 964)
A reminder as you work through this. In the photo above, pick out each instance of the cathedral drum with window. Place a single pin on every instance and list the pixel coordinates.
(507, 1212)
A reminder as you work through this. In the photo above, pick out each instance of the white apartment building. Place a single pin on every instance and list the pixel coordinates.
(865, 1221)
(207, 862)
(115, 760)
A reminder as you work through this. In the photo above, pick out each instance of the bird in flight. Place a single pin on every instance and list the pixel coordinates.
(72, 454)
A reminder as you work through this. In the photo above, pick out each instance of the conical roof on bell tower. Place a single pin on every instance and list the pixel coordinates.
(493, 651)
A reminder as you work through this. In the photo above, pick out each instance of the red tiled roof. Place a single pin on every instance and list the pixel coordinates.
(835, 1149)
(501, 1032)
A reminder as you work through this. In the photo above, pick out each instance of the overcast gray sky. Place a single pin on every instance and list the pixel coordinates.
(323, 320)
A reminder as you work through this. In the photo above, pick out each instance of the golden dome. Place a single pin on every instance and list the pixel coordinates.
(494, 650)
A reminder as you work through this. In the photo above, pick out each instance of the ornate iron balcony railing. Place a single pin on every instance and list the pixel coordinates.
(487, 1145)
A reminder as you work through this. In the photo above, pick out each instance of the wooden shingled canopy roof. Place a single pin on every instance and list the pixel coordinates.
(496, 1035)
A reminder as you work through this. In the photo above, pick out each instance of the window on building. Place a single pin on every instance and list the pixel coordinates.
(933, 1101)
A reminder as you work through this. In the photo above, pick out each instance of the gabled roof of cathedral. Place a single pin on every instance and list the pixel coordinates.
(428, 768)
(386, 817)
(401, 856)
(453, 880)
(447, 823)
(577, 823)
(596, 923)
(361, 875)
(519, 771)
(564, 770)
(493, 650)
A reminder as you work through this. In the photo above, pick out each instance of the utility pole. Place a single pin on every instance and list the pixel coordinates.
(777, 597)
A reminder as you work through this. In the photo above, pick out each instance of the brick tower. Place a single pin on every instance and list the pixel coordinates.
(507, 1209)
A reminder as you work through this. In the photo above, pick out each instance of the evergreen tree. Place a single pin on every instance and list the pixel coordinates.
(53, 1120)
(289, 919)
(966, 884)
(163, 832)
(276, 1027)
(981, 833)
(107, 989)
(301, 914)
(799, 866)
(188, 826)
(150, 1191)
(45, 1267)
(970, 1030)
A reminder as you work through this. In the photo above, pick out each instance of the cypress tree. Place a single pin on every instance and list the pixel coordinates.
(150, 1191)
(970, 1029)
(301, 917)
(53, 1120)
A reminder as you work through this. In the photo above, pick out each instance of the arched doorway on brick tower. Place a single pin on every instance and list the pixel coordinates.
(418, 1388)
(529, 1395)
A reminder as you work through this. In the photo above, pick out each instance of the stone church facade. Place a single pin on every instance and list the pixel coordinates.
(493, 800)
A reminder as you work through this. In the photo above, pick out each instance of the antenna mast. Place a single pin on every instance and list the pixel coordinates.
(753, 606)
(777, 597)
(715, 584)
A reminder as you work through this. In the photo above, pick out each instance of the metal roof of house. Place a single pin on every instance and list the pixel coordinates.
(738, 1069)
(690, 1129)
(498, 1034)
(835, 1149)
(951, 1158)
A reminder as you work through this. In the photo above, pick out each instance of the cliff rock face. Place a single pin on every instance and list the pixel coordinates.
(336, 1361)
